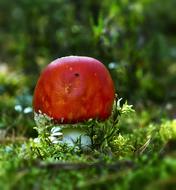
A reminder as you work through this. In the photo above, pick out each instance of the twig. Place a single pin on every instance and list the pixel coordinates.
(144, 146)
(78, 166)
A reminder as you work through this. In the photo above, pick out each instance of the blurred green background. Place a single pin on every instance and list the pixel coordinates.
(135, 39)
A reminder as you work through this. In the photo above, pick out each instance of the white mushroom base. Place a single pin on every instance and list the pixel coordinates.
(70, 135)
(73, 135)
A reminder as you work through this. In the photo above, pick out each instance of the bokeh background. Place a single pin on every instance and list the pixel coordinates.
(135, 39)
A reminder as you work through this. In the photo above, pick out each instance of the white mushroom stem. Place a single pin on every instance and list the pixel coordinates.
(72, 135)
(68, 134)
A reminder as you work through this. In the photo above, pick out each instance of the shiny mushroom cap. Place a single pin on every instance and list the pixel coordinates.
(74, 89)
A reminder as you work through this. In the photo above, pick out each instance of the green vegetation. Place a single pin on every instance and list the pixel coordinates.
(132, 149)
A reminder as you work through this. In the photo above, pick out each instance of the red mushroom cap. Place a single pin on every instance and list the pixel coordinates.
(74, 89)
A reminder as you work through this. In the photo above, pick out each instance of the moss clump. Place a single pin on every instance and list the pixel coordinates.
(123, 155)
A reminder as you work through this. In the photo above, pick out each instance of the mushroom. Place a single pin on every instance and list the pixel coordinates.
(74, 89)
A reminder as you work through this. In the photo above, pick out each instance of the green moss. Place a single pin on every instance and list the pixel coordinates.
(143, 156)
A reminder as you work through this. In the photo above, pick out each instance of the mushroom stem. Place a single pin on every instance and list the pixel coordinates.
(73, 136)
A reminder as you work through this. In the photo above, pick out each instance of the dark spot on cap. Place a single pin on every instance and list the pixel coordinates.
(77, 74)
